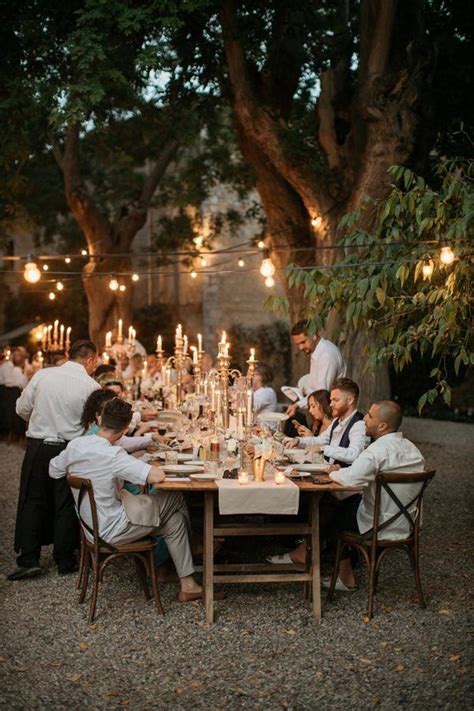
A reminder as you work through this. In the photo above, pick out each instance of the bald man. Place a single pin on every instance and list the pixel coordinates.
(389, 451)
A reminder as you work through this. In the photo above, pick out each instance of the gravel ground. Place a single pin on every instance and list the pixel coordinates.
(264, 651)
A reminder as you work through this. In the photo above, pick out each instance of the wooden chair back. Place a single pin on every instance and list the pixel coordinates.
(85, 488)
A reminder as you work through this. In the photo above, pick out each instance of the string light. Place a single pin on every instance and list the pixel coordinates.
(45, 267)
(427, 269)
(317, 221)
(198, 241)
(135, 277)
(84, 252)
(261, 244)
(241, 263)
(122, 287)
(52, 296)
(193, 274)
(68, 260)
(203, 262)
(32, 274)
(113, 284)
(269, 281)
(59, 286)
(267, 268)
(447, 255)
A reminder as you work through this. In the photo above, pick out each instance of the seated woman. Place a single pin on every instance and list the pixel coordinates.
(321, 415)
(110, 382)
(264, 396)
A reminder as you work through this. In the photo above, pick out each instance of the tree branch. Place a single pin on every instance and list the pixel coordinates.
(162, 162)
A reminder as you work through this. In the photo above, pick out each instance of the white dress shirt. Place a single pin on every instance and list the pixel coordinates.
(358, 441)
(391, 452)
(95, 458)
(53, 401)
(264, 400)
(13, 376)
(326, 365)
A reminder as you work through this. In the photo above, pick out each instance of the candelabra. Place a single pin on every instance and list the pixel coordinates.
(56, 339)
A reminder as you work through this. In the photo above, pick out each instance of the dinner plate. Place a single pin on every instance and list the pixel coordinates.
(194, 462)
(309, 467)
(204, 476)
(273, 416)
(298, 474)
(180, 468)
(182, 457)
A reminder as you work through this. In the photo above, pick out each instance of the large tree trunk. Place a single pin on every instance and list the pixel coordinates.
(381, 117)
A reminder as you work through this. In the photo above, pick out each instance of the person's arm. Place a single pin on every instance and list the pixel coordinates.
(58, 466)
(133, 444)
(135, 471)
(26, 401)
(156, 475)
(357, 443)
(360, 473)
(321, 440)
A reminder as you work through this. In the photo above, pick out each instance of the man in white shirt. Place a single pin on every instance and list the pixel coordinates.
(124, 518)
(326, 365)
(52, 403)
(264, 396)
(389, 451)
(14, 379)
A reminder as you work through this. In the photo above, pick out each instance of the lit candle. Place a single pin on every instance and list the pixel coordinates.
(120, 324)
(68, 337)
(252, 355)
(179, 331)
(130, 334)
(199, 342)
(159, 344)
(195, 355)
(224, 338)
(279, 478)
(40, 359)
(108, 339)
(243, 478)
(105, 358)
(50, 328)
(55, 331)
(185, 345)
(61, 336)
(249, 410)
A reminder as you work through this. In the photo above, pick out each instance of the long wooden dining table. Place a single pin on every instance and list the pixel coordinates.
(256, 572)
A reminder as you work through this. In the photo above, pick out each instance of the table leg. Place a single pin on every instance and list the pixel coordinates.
(315, 556)
(208, 559)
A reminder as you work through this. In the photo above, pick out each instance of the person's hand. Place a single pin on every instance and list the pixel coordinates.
(156, 437)
(332, 468)
(314, 449)
(291, 410)
(303, 431)
(142, 429)
(293, 442)
(155, 476)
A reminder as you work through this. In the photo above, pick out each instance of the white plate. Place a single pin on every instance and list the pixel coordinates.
(308, 467)
(180, 468)
(298, 474)
(182, 456)
(195, 462)
(273, 416)
(204, 476)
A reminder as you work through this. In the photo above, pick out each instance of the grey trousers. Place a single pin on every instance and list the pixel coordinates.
(175, 527)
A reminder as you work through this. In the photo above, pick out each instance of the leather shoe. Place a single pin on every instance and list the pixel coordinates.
(189, 596)
(25, 573)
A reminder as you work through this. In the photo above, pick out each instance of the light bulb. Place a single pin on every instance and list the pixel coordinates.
(135, 277)
(193, 274)
(68, 260)
(52, 295)
(198, 241)
(267, 268)
(241, 263)
(122, 287)
(427, 269)
(269, 281)
(203, 262)
(113, 284)
(447, 255)
(45, 267)
(32, 273)
(261, 244)
(59, 286)
(84, 252)
(316, 221)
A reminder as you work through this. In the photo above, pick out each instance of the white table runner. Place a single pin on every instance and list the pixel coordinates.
(264, 497)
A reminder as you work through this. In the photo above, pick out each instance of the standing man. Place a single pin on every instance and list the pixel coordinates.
(13, 379)
(52, 402)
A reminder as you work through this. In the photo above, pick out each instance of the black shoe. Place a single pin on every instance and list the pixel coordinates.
(68, 569)
(25, 573)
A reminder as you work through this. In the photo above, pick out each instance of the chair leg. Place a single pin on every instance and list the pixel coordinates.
(372, 581)
(415, 563)
(308, 585)
(141, 573)
(154, 583)
(95, 590)
(335, 572)
(85, 576)
(81, 565)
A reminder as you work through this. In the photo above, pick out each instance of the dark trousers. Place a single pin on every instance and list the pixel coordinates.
(346, 518)
(14, 423)
(46, 512)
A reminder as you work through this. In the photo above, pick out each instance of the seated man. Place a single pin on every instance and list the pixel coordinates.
(96, 458)
(389, 451)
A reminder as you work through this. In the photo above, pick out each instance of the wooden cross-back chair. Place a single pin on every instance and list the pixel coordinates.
(96, 554)
(373, 549)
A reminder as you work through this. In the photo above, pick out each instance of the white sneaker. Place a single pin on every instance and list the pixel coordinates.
(280, 559)
(339, 587)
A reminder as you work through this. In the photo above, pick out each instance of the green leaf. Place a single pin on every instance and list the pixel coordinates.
(380, 295)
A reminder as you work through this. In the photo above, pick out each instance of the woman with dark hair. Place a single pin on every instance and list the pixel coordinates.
(320, 410)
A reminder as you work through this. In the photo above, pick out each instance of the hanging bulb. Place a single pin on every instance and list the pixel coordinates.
(267, 268)
(269, 281)
(45, 267)
(193, 274)
(427, 269)
(447, 255)
(198, 241)
(59, 286)
(84, 252)
(135, 277)
(203, 262)
(113, 284)
(52, 296)
(68, 260)
(261, 244)
(241, 263)
(317, 221)
(122, 287)
(32, 273)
